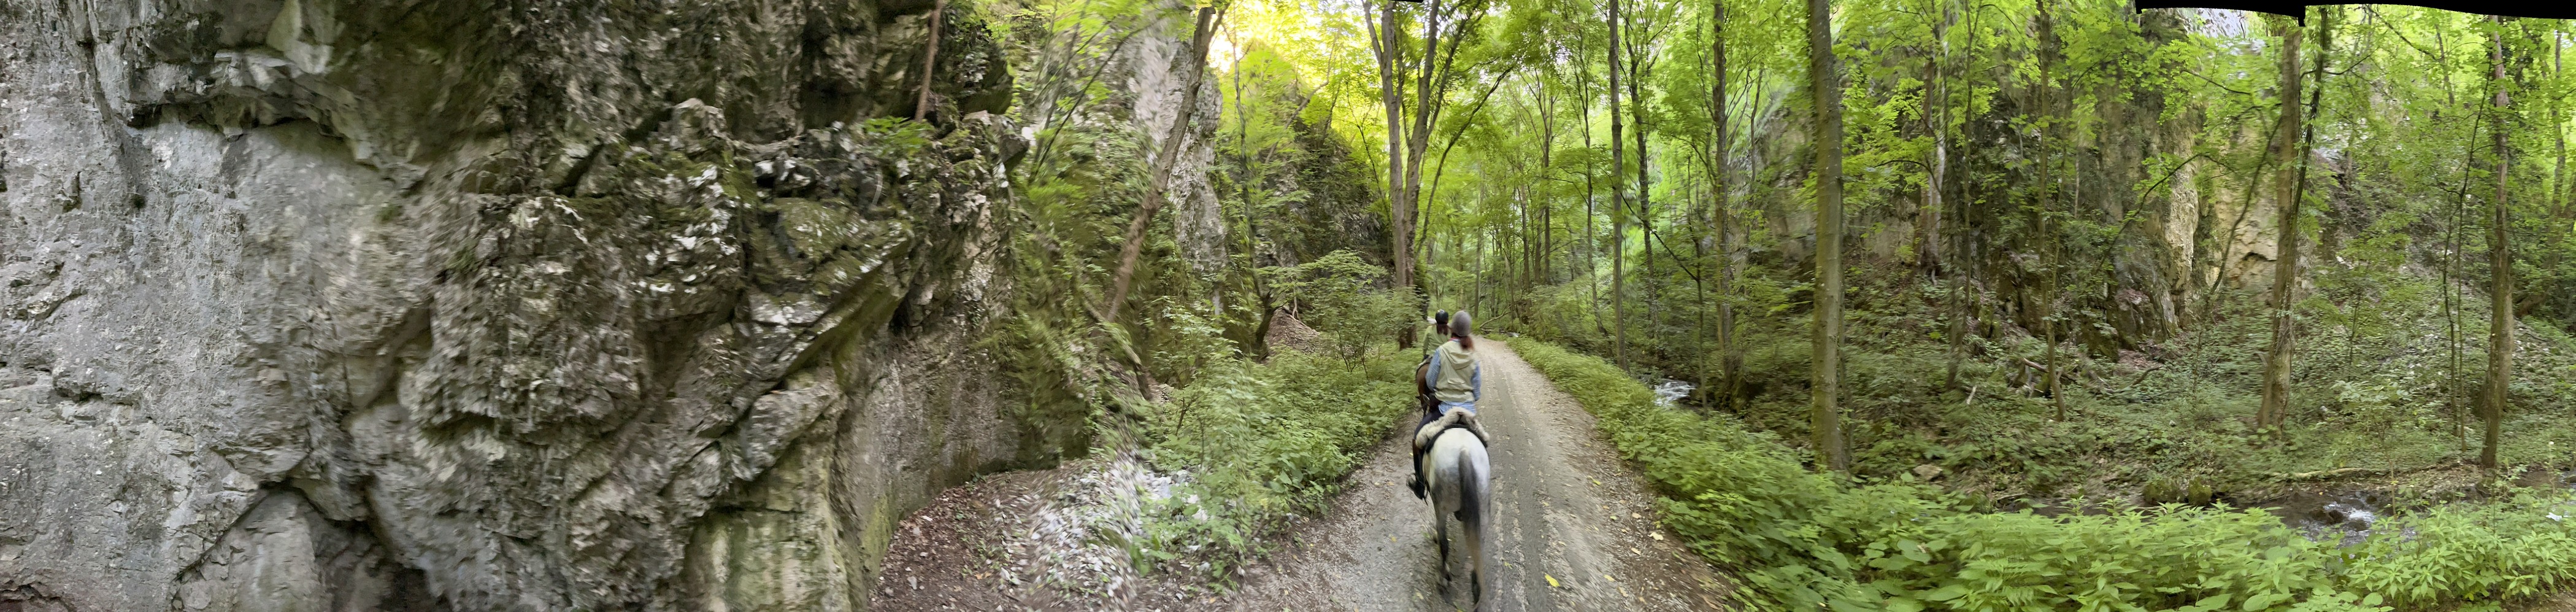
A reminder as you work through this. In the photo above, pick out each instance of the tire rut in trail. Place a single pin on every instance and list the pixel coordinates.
(1565, 508)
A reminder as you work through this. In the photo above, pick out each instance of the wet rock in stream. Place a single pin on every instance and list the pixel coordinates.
(2346, 517)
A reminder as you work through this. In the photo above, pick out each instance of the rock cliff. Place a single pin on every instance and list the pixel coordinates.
(460, 305)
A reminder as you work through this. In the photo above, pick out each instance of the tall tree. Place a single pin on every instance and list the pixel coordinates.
(1418, 136)
(1642, 60)
(1826, 84)
(1546, 169)
(1387, 41)
(1591, 239)
(2051, 47)
(1639, 60)
(1618, 205)
(1936, 118)
(1258, 342)
(1730, 359)
(1432, 81)
(2500, 279)
(2285, 270)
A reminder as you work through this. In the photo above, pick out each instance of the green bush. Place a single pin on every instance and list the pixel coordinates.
(1337, 296)
(1736, 497)
(1262, 443)
(2521, 547)
(2169, 558)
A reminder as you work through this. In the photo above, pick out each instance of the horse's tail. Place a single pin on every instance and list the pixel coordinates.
(1475, 492)
(1472, 491)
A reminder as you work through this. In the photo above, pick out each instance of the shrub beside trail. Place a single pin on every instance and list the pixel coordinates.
(1257, 444)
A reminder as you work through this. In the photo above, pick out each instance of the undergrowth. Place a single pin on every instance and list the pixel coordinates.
(2376, 386)
(1261, 443)
(1801, 540)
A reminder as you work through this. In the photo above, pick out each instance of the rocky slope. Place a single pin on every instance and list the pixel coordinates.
(456, 305)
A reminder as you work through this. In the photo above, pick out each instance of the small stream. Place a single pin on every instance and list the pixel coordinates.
(2346, 516)
(1670, 392)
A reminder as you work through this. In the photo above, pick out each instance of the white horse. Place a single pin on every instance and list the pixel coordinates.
(1459, 485)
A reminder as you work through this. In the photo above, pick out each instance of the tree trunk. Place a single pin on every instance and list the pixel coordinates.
(1399, 212)
(1591, 241)
(1417, 139)
(1418, 143)
(1928, 216)
(1961, 321)
(2559, 195)
(1158, 178)
(1260, 341)
(2500, 258)
(2275, 409)
(1935, 233)
(1645, 211)
(2050, 47)
(1618, 207)
(2047, 306)
(1546, 167)
(1826, 84)
(1730, 361)
(1637, 121)
(929, 60)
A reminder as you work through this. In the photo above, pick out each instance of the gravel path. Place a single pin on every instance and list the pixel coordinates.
(1573, 530)
(1567, 510)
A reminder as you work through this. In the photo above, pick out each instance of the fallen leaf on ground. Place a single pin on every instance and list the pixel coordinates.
(1551, 581)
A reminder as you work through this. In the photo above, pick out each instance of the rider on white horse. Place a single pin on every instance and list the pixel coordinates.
(1456, 382)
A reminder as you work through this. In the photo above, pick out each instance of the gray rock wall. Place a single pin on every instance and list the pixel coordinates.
(458, 305)
(1156, 64)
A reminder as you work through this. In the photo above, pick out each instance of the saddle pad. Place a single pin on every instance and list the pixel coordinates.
(1464, 419)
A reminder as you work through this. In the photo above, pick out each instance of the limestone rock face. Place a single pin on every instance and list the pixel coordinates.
(451, 305)
(1157, 65)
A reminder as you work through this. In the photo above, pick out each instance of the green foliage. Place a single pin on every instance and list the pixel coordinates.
(1801, 539)
(1337, 296)
(1261, 443)
(2168, 558)
(2521, 547)
(2110, 173)
(1739, 498)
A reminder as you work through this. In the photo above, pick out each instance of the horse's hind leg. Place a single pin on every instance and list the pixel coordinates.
(1474, 533)
(1440, 533)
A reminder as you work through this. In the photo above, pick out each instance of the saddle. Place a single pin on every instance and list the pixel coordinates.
(1454, 419)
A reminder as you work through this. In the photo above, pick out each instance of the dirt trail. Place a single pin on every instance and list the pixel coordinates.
(1566, 509)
